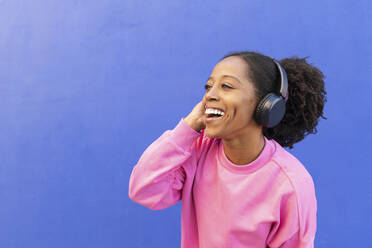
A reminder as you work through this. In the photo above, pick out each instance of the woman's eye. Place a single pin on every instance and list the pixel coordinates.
(224, 85)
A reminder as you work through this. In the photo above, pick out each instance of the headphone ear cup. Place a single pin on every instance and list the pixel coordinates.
(261, 113)
(270, 110)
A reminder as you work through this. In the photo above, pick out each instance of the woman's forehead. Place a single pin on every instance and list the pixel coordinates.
(233, 65)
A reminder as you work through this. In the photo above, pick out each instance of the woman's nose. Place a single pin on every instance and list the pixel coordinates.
(212, 93)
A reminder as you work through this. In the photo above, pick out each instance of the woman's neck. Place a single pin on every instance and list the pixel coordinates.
(245, 148)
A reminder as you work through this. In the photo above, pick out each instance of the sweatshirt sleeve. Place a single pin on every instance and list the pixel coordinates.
(296, 228)
(157, 179)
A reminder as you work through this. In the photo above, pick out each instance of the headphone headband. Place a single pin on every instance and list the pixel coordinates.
(283, 81)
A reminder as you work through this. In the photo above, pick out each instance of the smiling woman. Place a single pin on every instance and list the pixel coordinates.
(239, 186)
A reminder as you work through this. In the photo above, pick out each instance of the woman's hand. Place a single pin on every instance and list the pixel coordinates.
(196, 119)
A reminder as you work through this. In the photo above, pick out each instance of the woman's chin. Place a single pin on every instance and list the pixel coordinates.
(211, 133)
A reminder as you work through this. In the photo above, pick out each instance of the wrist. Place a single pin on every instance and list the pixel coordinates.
(192, 123)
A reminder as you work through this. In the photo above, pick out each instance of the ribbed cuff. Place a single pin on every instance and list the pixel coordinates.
(184, 135)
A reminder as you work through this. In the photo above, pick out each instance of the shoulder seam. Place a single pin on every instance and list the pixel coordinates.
(294, 188)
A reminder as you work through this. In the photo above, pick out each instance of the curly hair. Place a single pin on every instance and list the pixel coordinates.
(307, 94)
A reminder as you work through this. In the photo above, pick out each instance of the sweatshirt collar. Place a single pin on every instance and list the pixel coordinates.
(261, 160)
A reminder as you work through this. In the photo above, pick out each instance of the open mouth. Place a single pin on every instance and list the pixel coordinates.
(213, 117)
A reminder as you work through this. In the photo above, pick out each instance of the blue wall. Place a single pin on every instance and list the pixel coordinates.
(86, 86)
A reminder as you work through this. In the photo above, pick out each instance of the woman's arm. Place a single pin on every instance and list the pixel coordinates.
(157, 179)
(296, 227)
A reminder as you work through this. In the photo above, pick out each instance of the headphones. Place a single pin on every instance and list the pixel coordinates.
(271, 109)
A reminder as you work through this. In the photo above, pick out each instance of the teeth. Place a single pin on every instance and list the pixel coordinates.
(214, 111)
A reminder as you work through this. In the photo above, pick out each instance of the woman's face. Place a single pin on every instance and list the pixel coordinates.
(229, 89)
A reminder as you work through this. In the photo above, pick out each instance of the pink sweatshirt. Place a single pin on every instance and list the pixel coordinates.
(269, 202)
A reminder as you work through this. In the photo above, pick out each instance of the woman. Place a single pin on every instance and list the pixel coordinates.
(239, 186)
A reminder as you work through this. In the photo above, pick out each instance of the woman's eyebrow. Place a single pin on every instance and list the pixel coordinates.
(231, 77)
(227, 76)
